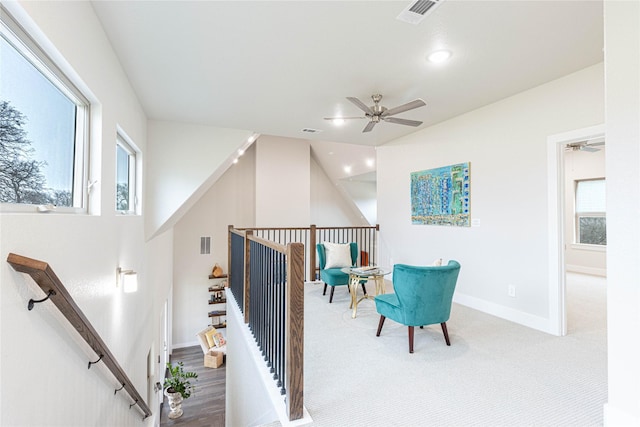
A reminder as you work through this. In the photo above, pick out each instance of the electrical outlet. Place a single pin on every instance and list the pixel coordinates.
(512, 291)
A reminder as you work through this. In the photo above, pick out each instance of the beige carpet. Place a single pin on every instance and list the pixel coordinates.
(495, 373)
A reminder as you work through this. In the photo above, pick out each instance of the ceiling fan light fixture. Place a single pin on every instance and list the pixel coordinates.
(338, 121)
(439, 56)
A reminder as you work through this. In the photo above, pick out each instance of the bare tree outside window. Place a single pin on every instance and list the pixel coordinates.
(21, 177)
(44, 127)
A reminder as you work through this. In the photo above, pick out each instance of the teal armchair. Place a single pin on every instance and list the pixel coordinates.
(423, 296)
(334, 276)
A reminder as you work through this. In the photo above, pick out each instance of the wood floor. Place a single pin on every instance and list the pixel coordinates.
(205, 408)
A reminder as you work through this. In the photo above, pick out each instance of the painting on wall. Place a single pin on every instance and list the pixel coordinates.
(441, 196)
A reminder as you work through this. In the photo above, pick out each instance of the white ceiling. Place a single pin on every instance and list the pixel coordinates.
(276, 67)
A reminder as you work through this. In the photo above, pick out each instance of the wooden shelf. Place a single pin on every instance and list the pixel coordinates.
(218, 315)
(220, 326)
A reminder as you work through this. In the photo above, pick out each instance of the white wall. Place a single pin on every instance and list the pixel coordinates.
(43, 362)
(506, 145)
(184, 161)
(282, 182)
(328, 204)
(622, 59)
(581, 165)
(229, 201)
(364, 196)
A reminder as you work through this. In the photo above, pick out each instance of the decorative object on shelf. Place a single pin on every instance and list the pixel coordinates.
(217, 271)
(218, 316)
(178, 387)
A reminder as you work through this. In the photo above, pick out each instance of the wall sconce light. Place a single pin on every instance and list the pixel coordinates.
(128, 279)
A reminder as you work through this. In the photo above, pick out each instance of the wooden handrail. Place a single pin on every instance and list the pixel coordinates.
(44, 276)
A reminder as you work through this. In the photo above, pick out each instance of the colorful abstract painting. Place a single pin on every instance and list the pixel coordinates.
(441, 196)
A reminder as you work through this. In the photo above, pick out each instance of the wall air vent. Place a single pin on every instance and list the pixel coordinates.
(309, 130)
(418, 10)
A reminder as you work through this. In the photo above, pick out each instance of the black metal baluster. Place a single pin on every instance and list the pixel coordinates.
(283, 322)
(278, 375)
(268, 309)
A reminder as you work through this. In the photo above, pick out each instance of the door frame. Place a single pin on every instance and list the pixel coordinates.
(556, 214)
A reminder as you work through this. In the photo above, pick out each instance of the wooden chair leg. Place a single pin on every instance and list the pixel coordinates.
(444, 331)
(333, 288)
(324, 291)
(380, 325)
(410, 339)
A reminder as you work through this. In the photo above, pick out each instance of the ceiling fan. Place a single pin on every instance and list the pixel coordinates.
(377, 113)
(584, 146)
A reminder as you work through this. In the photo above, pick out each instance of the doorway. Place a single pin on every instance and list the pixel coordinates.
(560, 237)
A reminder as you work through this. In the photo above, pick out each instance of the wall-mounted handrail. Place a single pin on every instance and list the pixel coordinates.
(44, 276)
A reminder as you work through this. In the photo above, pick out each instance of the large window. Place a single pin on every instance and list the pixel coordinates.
(43, 126)
(125, 176)
(591, 221)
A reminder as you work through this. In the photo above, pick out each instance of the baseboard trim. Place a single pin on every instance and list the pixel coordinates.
(185, 344)
(586, 270)
(516, 316)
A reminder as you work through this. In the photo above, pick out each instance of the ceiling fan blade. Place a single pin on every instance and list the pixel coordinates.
(344, 118)
(369, 127)
(589, 148)
(404, 107)
(360, 105)
(402, 121)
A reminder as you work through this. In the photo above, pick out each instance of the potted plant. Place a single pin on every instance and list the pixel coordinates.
(178, 387)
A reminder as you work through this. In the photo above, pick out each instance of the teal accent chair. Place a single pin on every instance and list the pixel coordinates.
(334, 276)
(422, 296)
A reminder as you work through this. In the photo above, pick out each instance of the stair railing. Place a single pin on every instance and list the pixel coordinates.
(267, 281)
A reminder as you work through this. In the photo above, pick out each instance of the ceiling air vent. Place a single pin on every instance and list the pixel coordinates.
(309, 130)
(418, 10)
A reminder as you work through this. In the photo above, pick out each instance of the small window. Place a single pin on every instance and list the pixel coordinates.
(44, 127)
(591, 221)
(125, 176)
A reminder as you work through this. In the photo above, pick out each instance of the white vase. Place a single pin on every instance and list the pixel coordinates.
(175, 404)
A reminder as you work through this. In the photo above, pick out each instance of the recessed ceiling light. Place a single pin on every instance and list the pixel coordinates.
(370, 162)
(240, 152)
(235, 161)
(347, 169)
(439, 56)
